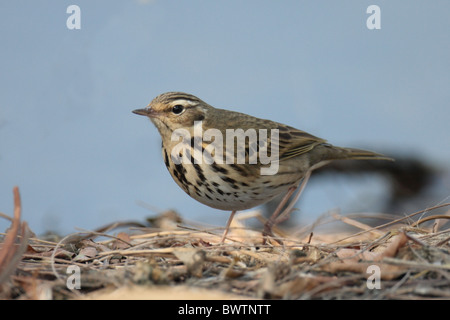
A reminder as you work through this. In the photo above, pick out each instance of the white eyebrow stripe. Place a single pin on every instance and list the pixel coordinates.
(184, 102)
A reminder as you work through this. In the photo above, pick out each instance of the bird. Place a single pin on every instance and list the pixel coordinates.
(261, 160)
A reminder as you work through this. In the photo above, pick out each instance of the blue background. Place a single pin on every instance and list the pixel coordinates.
(68, 138)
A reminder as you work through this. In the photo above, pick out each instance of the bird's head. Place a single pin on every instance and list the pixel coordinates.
(174, 110)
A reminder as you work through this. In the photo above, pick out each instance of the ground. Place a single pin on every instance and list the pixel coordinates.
(165, 259)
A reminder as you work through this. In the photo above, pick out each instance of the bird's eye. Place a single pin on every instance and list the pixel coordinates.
(177, 109)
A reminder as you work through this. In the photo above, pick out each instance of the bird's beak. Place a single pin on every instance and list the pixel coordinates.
(149, 112)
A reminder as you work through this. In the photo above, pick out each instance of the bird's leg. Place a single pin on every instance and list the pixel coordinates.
(273, 218)
(285, 214)
(228, 226)
(276, 216)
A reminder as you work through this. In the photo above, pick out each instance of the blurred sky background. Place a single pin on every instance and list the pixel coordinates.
(68, 138)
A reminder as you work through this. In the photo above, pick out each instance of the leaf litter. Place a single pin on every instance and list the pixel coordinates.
(165, 259)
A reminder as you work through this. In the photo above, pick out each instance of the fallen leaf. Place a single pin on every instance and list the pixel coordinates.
(86, 254)
(357, 261)
(122, 242)
(193, 259)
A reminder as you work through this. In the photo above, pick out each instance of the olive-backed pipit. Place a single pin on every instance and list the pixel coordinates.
(228, 173)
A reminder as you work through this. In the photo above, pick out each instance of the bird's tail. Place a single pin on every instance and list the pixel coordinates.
(338, 153)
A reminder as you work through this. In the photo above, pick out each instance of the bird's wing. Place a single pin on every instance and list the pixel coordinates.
(291, 142)
(294, 142)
